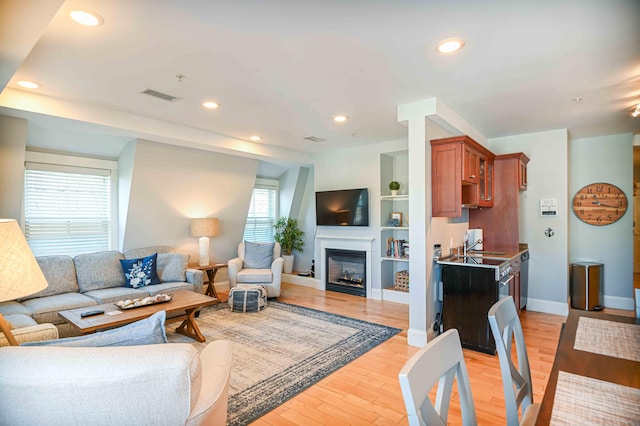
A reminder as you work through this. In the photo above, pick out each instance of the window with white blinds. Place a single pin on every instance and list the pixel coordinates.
(263, 212)
(67, 209)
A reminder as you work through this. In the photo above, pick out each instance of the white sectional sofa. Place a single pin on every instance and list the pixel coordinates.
(89, 280)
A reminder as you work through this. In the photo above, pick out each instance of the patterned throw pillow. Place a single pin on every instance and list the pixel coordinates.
(140, 272)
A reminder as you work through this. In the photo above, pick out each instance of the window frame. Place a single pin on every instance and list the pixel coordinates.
(71, 164)
(266, 184)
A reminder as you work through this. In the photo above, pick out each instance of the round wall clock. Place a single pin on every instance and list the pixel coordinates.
(599, 204)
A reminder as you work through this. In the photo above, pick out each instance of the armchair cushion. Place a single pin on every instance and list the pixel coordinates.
(255, 276)
(258, 255)
(148, 331)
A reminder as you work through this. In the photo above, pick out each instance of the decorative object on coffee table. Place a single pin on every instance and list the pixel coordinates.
(247, 298)
(20, 274)
(204, 228)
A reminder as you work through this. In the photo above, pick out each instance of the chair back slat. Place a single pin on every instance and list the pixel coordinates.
(506, 327)
(439, 362)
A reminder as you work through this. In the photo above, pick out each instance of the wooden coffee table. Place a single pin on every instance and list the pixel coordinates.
(183, 300)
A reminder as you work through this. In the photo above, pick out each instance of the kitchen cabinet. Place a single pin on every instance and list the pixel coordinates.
(501, 224)
(522, 171)
(461, 175)
(467, 295)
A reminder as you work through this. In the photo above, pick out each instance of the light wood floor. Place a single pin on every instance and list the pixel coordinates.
(366, 391)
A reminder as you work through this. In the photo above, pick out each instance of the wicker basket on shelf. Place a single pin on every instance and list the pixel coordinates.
(402, 281)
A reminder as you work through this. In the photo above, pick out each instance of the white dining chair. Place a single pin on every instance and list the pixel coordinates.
(440, 361)
(516, 380)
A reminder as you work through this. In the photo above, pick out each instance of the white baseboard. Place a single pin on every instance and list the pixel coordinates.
(376, 294)
(417, 337)
(616, 302)
(302, 281)
(547, 306)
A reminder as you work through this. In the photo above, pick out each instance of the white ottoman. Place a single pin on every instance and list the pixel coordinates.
(247, 298)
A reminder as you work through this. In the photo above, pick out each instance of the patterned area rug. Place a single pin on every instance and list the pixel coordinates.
(281, 351)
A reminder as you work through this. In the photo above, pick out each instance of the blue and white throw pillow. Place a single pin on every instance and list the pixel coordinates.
(140, 272)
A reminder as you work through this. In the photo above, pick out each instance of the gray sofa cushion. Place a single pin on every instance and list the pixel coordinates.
(172, 267)
(45, 309)
(60, 273)
(13, 308)
(169, 287)
(114, 294)
(20, 321)
(146, 251)
(99, 270)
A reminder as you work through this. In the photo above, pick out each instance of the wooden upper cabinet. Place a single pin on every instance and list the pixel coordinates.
(461, 175)
(470, 165)
(519, 166)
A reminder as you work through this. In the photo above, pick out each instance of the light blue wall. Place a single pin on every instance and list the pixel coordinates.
(606, 159)
(547, 178)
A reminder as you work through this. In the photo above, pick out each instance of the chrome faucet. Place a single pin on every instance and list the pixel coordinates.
(468, 247)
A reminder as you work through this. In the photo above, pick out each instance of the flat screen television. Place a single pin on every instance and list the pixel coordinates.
(346, 207)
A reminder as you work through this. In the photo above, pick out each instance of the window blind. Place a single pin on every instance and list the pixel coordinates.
(263, 212)
(67, 209)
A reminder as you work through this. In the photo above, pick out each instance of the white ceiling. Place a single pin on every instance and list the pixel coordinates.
(282, 69)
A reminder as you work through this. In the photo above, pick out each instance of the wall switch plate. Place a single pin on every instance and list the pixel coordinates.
(548, 207)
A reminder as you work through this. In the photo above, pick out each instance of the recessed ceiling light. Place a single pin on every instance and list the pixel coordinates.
(255, 138)
(210, 104)
(340, 118)
(84, 17)
(450, 45)
(28, 84)
(577, 99)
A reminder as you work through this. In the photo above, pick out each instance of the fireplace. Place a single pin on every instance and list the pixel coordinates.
(346, 271)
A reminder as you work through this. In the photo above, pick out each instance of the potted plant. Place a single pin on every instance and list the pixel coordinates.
(394, 187)
(290, 238)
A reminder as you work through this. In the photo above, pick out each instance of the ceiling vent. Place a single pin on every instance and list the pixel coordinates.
(315, 139)
(160, 95)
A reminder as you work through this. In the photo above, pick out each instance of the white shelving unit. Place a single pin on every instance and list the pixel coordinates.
(393, 166)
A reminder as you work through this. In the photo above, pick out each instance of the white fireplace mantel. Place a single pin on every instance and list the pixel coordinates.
(344, 243)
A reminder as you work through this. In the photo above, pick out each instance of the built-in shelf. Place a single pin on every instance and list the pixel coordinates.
(395, 197)
(394, 167)
(393, 295)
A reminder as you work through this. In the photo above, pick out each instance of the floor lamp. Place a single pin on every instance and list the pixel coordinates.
(204, 228)
(20, 274)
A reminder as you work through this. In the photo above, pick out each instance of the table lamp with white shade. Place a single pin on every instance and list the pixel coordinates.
(204, 228)
(20, 274)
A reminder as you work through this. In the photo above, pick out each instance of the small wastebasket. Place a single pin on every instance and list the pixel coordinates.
(586, 285)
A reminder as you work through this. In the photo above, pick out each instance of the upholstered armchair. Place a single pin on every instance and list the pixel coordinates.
(161, 384)
(257, 264)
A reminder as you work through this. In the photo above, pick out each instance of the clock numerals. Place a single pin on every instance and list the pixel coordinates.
(600, 204)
